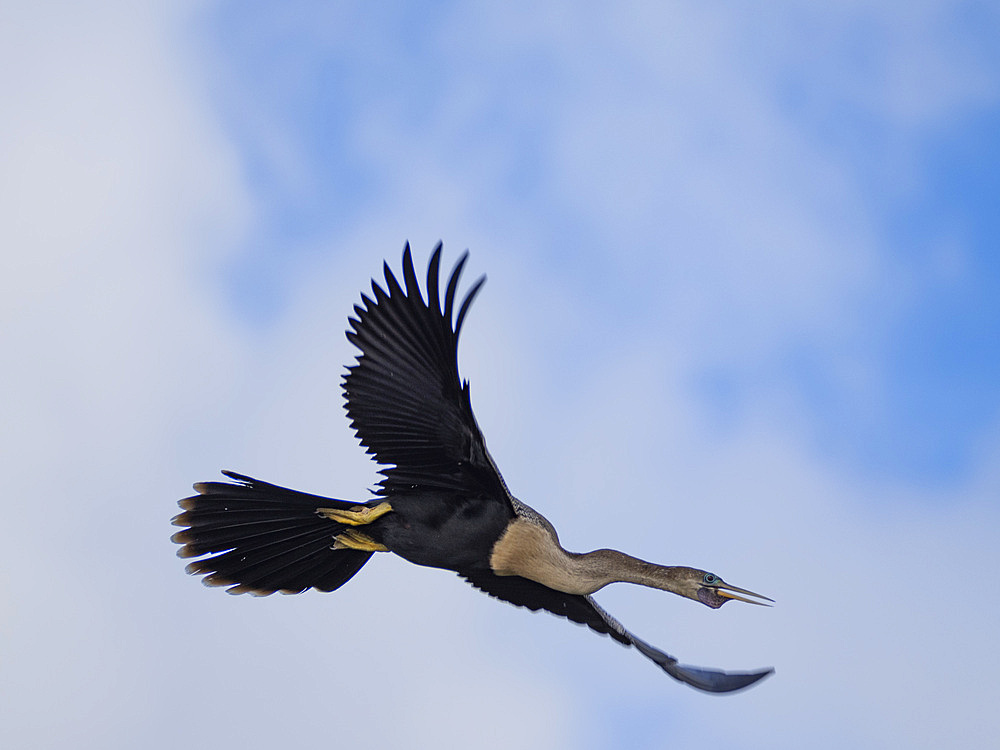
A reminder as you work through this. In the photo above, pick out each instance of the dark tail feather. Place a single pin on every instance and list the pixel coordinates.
(263, 538)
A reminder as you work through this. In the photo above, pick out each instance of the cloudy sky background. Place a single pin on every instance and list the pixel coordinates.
(742, 313)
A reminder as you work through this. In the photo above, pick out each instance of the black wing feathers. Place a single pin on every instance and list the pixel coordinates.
(404, 397)
(584, 610)
(535, 596)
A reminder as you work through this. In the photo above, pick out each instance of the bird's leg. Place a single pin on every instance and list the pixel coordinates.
(352, 539)
(359, 515)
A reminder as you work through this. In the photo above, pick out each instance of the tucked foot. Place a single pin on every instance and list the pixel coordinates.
(352, 539)
(359, 515)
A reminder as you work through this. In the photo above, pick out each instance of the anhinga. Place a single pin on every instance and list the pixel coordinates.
(442, 501)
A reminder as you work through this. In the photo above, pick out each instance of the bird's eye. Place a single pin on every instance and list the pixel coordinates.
(710, 578)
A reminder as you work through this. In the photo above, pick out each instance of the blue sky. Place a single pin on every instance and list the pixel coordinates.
(741, 314)
(923, 180)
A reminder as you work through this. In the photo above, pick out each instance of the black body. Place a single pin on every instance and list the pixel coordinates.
(441, 530)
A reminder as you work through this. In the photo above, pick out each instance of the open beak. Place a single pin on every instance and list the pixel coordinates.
(740, 595)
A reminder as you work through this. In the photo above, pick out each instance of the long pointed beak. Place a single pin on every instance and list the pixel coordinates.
(740, 595)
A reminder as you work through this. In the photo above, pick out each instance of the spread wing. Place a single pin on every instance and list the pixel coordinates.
(535, 596)
(404, 397)
(582, 609)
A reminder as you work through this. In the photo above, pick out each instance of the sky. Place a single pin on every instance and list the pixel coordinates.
(742, 314)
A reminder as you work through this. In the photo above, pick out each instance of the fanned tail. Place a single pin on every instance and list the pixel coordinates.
(263, 538)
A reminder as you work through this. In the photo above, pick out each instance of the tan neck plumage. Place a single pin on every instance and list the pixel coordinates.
(531, 551)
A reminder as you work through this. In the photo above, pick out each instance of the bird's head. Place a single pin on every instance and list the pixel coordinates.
(712, 591)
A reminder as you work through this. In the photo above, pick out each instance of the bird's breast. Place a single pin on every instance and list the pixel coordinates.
(532, 551)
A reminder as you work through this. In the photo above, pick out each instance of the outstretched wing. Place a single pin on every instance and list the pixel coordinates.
(404, 397)
(524, 592)
(582, 609)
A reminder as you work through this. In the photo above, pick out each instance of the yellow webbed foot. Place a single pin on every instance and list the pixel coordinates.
(352, 539)
(359, 515)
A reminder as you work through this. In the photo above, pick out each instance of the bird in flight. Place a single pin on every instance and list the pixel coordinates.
(441, 502)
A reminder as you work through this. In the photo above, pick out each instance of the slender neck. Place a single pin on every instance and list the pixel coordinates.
(531, 550)
(595, 570)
